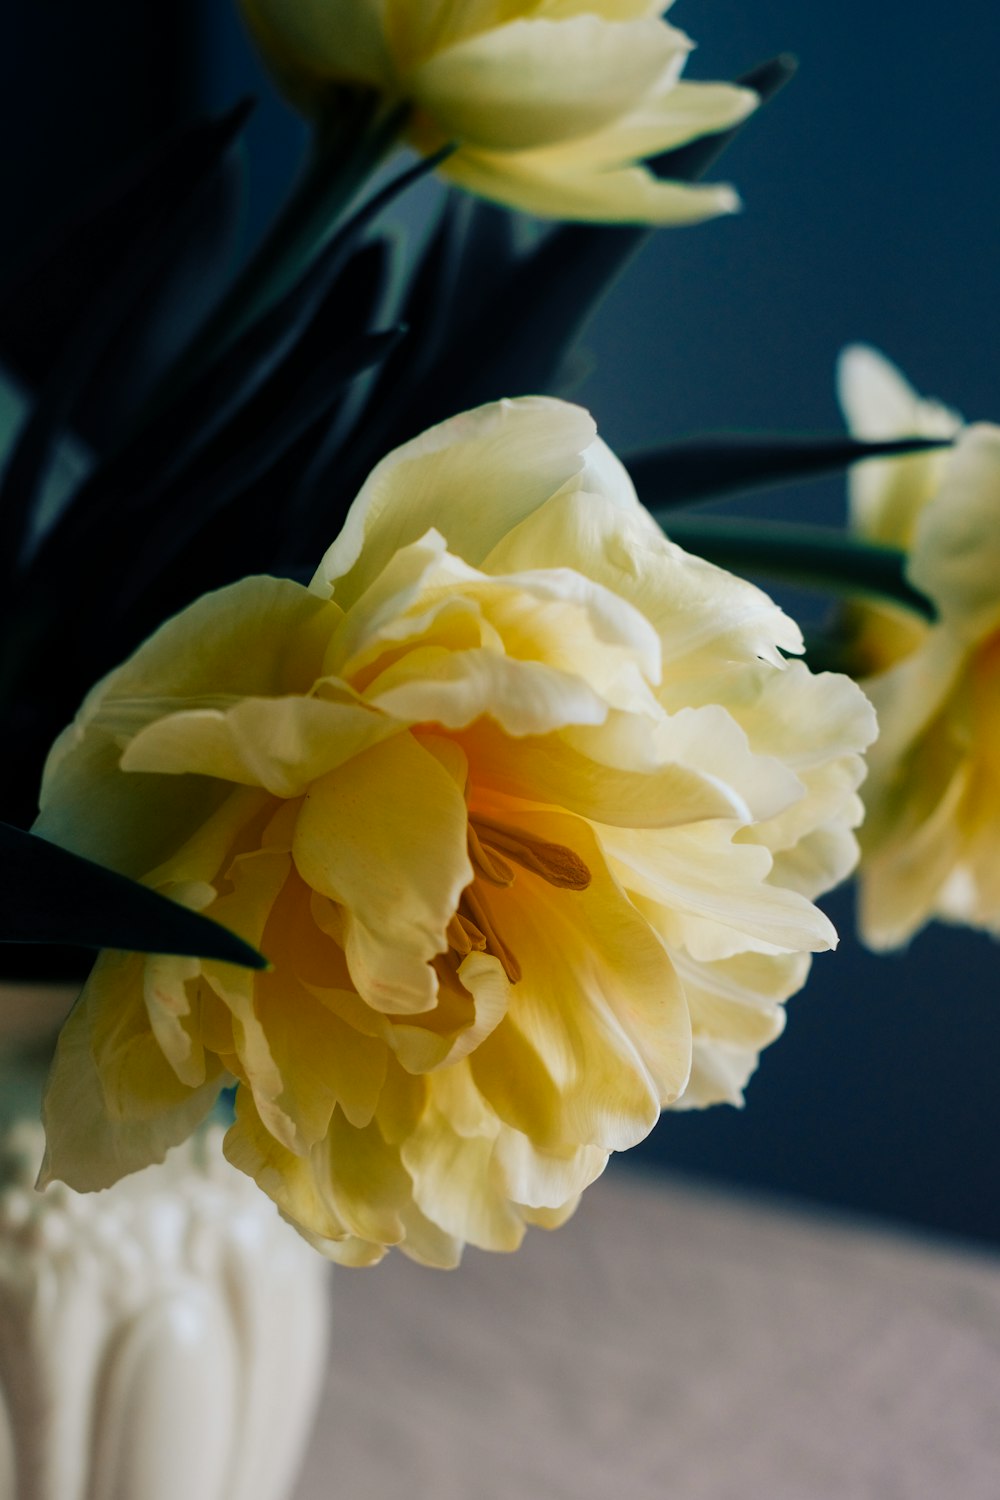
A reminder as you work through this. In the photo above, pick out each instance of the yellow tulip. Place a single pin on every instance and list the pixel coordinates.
(553, 104)
(931, 840)
(525, 805)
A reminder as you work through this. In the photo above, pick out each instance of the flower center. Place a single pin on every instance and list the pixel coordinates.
(494, 849)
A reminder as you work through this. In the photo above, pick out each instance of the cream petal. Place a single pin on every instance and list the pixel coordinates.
(719, 1075)
(281, 744)
(113, 1104)
(956, 549)
(525, 698)
(532, 82)
(540, 1180)
(709, 739)
(908, 697)
(672, 115)
(707, 891)
(829, 800)
(450, 1159)
(551, 769)
(480, 992)
(323, 1062)
(804, 718)
(705, 617)
(165, 982)
(888, 495)
(904, 870)
(477, 644)
(820, 861)
(597, 1033)
(262, 635)
(288, 1179)
(627, 195)
(129, 823)
(385, 836)
(511, 456)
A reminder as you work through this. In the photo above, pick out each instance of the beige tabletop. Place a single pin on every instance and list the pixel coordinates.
(668, 1342)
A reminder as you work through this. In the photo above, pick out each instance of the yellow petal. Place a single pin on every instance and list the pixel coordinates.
(553, 769)
(956, 549)
(536, 81)
(385, 836)
(511, 456)
(888, 495)
(113, 1104)
(281, 744)
(624, 195)
(449, 1158)
(705, 617)
(711, 895)
(597, 1033)
(260, 636)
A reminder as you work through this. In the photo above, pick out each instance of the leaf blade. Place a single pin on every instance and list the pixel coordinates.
(49, 895)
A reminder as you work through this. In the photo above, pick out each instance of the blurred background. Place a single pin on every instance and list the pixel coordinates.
(871, 212)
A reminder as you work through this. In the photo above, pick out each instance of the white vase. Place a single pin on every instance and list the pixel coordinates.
(162, 1340)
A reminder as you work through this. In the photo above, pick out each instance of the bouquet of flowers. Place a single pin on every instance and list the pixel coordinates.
(432, 782)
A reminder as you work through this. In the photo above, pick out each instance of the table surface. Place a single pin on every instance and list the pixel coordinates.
(669, 1343)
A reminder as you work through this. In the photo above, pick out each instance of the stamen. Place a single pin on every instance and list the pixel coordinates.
(464, 936)
(494, 943)
(487, 863)
(555, 863)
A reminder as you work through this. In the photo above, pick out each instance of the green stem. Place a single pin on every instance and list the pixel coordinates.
(815, 557)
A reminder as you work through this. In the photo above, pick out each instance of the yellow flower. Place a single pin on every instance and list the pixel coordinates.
(526, 807)
(552, 103)
(931, 839)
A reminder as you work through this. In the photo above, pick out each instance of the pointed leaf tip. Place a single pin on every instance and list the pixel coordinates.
(48, 895)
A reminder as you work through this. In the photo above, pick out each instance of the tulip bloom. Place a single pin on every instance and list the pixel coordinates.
(931, 838)
(525, 805)
(553, 105)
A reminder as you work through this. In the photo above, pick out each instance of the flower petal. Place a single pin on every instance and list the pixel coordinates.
(113, 1104)
(956, 549)
(530, 182)
(888, 495)
(385, 836)
(597, 1034)
(471, 478)
(503, 89)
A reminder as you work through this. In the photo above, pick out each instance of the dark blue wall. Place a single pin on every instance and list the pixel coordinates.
(872, 212)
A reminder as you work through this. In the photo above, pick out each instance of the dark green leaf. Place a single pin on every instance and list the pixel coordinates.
(152, 545)
(198, 411)
(688, 163)
(699, 469)
(48, 895)
(154, 248)
(816, 557)
(44, 307)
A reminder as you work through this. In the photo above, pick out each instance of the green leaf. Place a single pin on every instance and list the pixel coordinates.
(48, 895)
(706, 468)
(815, 557)
(120, 299)
(688, 163)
